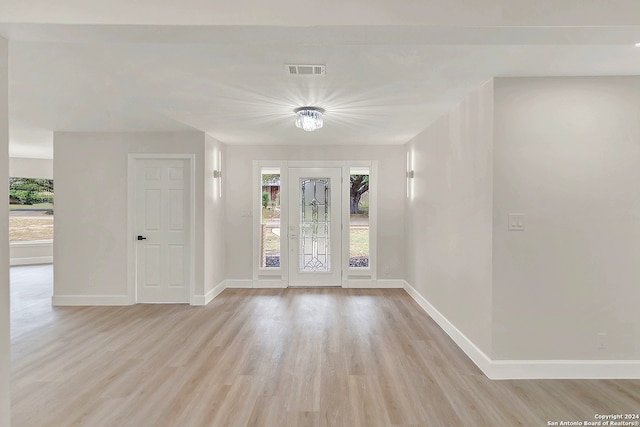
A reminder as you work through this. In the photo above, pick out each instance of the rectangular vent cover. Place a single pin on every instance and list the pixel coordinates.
(306, 70)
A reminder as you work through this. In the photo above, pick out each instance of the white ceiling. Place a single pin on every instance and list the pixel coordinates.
(455, 13)
(384, 83)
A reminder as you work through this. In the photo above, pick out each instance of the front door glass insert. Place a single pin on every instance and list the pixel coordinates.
(314, 225)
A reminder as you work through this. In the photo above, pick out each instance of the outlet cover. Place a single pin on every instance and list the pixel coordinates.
(602, 340)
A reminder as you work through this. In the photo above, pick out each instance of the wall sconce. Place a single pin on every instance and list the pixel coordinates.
(410, 175)
(217, 175)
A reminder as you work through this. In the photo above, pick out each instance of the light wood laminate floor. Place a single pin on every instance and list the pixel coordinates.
(290, 357)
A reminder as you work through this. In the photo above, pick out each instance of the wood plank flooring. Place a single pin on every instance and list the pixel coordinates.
(291, 357)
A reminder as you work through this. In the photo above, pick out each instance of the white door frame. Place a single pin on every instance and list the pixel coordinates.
(279, 277)
(132, 161)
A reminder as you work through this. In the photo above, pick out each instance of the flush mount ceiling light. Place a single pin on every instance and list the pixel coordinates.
(309, 118)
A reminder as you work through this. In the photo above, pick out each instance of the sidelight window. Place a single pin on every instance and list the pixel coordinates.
(359, 230)
(270, 230)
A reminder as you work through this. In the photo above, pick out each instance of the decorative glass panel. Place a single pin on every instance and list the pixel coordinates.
(314, 225)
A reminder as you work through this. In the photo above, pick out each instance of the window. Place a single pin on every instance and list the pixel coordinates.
(30, 209)
(359, 218)
(270, 230)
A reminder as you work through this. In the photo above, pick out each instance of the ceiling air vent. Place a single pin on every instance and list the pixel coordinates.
(306, 70)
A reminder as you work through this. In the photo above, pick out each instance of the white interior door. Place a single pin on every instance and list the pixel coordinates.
(162, 231)
(314, 227)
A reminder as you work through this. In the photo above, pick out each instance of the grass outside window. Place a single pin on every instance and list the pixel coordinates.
(27, 228)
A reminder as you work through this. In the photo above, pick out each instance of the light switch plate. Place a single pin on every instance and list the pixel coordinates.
(516, 222)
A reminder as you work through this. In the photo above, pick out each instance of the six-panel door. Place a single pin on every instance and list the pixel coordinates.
(162, 224)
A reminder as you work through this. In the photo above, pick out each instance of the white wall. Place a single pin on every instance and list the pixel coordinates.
(567, 155)
(90, 247)
(4, 236)
(30, 168)
(448, 218)
(390, 200)
(214, 212)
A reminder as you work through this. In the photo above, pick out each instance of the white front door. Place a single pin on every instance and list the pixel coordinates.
(314, 227)
(162, 231)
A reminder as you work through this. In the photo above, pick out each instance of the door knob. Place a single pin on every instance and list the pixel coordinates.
(142, 238)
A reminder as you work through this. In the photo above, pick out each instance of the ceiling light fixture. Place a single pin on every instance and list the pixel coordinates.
(638, 44)
(309, 118)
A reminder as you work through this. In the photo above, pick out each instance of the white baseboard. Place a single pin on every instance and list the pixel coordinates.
(269, 284)
(391, 283)
(235, 283)
(475, 354)
(209, 296)
(255, 284)
(359, 284)
(62, 300)
(564, 369)
(373, 283)
(278, 283)
(31, 260)
(529, 369)
(214, 293)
